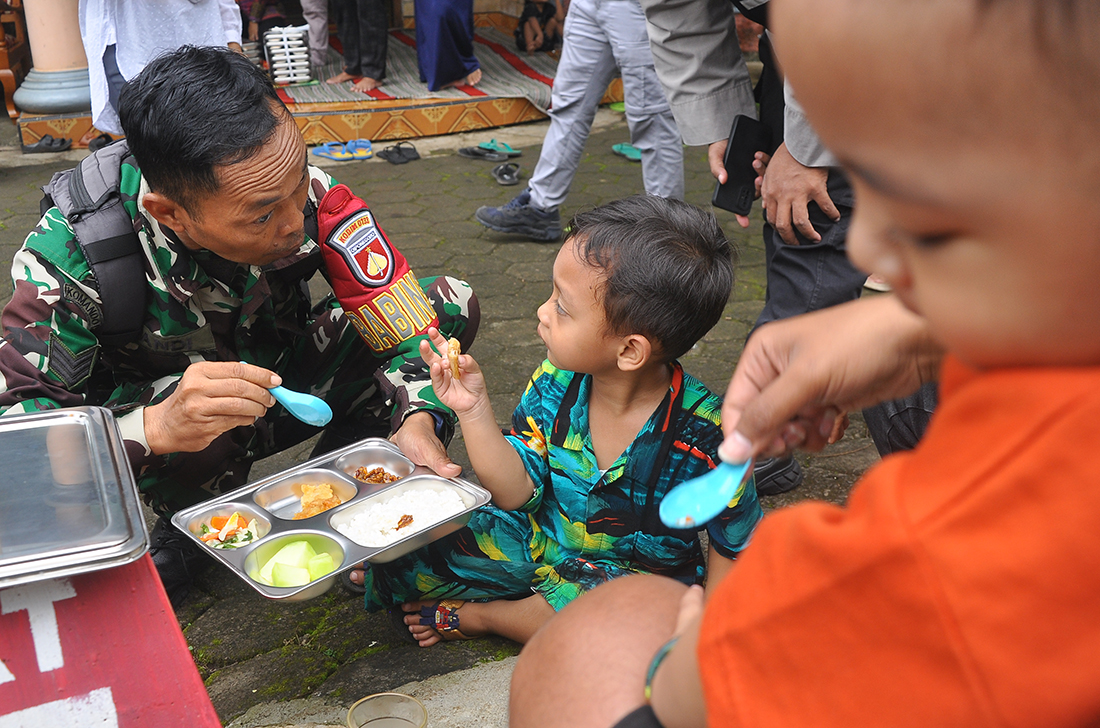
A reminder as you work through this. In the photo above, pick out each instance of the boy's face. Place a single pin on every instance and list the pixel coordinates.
(976, 192)
(572, 323)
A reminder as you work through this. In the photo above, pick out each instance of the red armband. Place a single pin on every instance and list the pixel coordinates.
(370, 277)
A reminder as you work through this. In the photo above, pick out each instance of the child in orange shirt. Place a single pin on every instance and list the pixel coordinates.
(961, 585)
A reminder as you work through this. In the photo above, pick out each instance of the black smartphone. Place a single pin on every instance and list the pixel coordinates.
(747, 137)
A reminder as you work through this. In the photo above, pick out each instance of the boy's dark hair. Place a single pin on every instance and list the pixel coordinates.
(194, 109)
(668, 266)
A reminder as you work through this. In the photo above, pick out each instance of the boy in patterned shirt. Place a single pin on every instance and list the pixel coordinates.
(608, 423)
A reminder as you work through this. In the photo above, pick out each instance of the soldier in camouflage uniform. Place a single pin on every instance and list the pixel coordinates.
(226, 271)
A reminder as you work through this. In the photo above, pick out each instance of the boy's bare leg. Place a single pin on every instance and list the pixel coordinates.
(517, 620)
(531, 31)
(588, 666)
(553, 27)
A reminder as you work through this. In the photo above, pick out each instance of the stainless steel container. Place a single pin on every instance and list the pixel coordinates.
(68, 503)
(275, 500)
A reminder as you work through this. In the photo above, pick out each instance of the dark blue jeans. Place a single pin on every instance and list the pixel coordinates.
(812, 276)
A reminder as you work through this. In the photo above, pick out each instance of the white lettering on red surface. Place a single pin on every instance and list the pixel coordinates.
(38, 600)
(95, 709)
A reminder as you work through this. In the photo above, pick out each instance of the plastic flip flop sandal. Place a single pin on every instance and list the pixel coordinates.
(625, 150)
(407, 150)
(506, 174)
(617, 106)
(479, 153)
(400, 153)
(99, 142)
(47, 144)
(333, 150)
(500, 148)
(359, 149)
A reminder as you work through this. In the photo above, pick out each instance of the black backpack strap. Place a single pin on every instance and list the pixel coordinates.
(88, 196)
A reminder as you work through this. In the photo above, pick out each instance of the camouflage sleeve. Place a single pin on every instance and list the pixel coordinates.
(47, 345)
(48, 350)
(405, 380)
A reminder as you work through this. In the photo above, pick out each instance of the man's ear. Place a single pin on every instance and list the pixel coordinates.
(635, 351)
(166, 211)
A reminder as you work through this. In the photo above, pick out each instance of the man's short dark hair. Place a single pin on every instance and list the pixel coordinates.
(194, 109)
(668, 268)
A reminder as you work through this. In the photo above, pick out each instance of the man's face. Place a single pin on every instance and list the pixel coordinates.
(969, 200)
(255, 217)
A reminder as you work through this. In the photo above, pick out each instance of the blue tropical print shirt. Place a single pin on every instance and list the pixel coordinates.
(611, 518)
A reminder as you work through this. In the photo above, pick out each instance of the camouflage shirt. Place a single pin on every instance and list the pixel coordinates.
(198, 306)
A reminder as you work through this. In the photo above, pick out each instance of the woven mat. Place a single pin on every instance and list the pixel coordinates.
(505, 73)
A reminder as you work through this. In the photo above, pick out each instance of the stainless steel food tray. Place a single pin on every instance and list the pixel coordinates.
(274, 500)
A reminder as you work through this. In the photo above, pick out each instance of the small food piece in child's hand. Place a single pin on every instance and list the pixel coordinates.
(453, 350)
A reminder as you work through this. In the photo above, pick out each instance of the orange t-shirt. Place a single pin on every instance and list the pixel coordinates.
(960, 587)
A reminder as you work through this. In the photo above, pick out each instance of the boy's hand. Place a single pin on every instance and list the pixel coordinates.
(466, 395)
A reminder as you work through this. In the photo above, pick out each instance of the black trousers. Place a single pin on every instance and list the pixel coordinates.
(363, 29)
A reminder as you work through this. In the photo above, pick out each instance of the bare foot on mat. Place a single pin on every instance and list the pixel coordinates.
(365, 84)
(341, 77)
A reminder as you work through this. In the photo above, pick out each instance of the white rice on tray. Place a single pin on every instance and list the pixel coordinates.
(376, 524)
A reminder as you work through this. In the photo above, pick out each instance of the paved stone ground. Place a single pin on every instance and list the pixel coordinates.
(324, 654)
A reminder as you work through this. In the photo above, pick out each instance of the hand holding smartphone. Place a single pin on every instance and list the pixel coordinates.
(747, 137)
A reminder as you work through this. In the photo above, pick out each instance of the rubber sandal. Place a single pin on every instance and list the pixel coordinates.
(443, 618)
(506, 174)
(47, 144)
(626, 150)
(359, 149)
(100, 141)
(333, 150)
(500, 148)
(478, 153)
(350, 586)
(400, 153)
(617, 106)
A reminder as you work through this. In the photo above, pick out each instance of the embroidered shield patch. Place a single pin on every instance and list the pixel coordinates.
(367, 253)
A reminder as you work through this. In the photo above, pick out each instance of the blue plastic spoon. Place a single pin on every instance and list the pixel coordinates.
(694, 502)
(309, 409)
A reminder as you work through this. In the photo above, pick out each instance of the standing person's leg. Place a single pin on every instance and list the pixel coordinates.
(315, 13)
(811, 276)
(652, 127)
(373, 41)
(347, 30)
(587, 65)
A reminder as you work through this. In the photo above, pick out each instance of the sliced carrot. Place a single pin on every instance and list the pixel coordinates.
(218, 522)
(212, 536)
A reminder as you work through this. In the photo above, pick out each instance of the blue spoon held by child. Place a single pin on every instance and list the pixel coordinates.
(309, 409)
(694, 502)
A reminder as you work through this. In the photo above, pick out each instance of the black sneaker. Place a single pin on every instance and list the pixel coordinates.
(520, 217)
(777, 475)
(178, 560)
